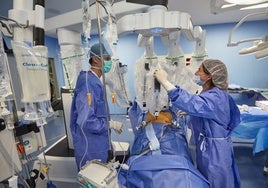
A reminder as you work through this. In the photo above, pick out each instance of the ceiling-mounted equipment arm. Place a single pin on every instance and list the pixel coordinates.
(148, 42)
(230, 43)
(173, 41)
(200, 38)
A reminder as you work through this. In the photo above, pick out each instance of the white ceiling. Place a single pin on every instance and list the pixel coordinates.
(68, 14)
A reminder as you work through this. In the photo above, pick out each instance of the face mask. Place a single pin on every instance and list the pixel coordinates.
(196, 79)
(107, 66)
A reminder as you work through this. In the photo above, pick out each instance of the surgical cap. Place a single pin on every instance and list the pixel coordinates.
(218, 72)
(95, 50)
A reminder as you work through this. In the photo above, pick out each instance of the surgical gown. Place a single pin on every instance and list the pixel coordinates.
(88, 120)
(214, 115)
(171, 166)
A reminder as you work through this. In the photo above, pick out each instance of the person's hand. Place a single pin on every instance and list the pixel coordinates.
(180, 112)
(160, 75)
(116, 125)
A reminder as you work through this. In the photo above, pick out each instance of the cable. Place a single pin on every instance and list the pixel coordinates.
(6, 26)
(84, 155)
(17, 23)
(85, 137)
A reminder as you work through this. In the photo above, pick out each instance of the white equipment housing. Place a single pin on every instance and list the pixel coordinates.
(67, 37)
(66, 97)
(156, 22)
(96, 174)
(166, 24)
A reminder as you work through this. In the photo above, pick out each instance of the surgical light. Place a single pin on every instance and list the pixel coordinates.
(260, 45)
(264, 5)
(245, 2)
(228, 5)
(261, 54)
(257, 46)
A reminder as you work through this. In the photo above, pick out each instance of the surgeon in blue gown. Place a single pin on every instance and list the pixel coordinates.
(88, 123)
(213, 116)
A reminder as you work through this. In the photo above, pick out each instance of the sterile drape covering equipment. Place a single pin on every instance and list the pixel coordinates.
(148, 93)
(10, 163)
(86, 25)
(86, 19)
(32, 65)
(117, 84)
(115, 79)
(5, 88)
(9, 159)
(31, 57)
(71, 55)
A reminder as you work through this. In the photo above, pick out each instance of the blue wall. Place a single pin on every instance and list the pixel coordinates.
(244, 70)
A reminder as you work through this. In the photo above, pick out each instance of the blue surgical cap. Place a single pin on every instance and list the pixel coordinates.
(95, 50)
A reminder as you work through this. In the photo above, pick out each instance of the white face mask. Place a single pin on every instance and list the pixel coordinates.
(196, 79)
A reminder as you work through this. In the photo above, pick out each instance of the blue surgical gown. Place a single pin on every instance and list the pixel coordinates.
(88, 121)
(214, 115)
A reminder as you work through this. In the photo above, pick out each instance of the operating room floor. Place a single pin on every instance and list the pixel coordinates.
(250, 167)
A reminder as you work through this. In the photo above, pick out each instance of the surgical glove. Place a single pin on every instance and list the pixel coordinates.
(116, 125)
(161, 76)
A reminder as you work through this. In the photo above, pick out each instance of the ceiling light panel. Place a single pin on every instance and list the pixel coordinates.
(245, 2)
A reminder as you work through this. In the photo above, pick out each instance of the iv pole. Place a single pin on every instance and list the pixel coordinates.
(110, 151)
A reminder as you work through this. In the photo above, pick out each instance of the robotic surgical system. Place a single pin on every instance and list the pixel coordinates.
(153, 154)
